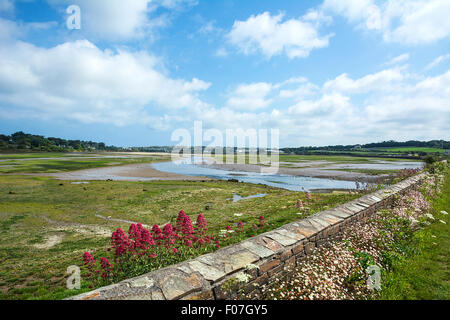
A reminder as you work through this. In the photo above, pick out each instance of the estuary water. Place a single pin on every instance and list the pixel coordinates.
(188, 167)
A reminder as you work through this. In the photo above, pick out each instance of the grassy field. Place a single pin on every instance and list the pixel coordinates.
(425, 276)
(45, 226)
(53, 164)
(32, 155)
(336, 159)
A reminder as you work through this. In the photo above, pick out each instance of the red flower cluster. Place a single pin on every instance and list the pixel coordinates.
(262, 222)
(88, 259)
(106, 267)
(201, 226)
(137, 250)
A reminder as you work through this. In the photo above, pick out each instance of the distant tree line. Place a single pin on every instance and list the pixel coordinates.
(21, 141)
(439, 144)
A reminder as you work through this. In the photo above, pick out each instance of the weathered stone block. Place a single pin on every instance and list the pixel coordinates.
(267, 265)
(275, 271)
(298, 249)
(289, 265)
(288, 233)
(282, 239)
(310, 247)
(270, 244)
(208, 272)
(176, 285)
(259, 250)
(286, 255)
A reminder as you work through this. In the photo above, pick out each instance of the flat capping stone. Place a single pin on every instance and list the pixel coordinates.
(199, 276)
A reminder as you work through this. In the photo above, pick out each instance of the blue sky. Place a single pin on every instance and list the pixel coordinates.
(322, 72)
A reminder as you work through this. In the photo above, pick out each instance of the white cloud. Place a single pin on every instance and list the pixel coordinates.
(116, 19)
(9, 29)
(79, 81)
(404, 21)
(272, 36)
(397, 60)
(389, 104)
(362, 12)
(419, 21)
(378, 81)
(437, 61)
(303, 91)
(250, 96)
(123, 19)
(6, 6)
(175, 4)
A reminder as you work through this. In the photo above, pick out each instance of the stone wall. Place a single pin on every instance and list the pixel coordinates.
(276, 253)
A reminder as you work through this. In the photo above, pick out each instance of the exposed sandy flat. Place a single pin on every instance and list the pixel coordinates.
(132, 172)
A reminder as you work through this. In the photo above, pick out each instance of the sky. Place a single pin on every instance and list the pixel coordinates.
(321, 72)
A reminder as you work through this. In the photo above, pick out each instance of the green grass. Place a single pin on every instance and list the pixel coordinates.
(425, 276)
(337, 159)
(58, 165)
(31, 155)
(34, 208)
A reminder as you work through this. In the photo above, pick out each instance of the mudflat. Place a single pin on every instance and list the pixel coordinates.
(131, 172)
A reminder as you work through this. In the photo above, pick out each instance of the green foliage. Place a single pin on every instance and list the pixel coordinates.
(419, 266)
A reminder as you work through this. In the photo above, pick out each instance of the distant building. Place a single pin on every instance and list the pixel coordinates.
(357, 147)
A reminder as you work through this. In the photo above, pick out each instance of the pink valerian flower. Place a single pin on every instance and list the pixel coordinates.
(299, 204)
(106, 266)
(186, 229)
(157, 234)
(240, 226)
(88, 259)
(168, 231)
(201, 242)
(180, 219)
(174, 250)
(308, 196)
(189, 243)
(262, 222)
(142, 238)
(120, 242)
(201, 225)
(169, 235)
(228, 228)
